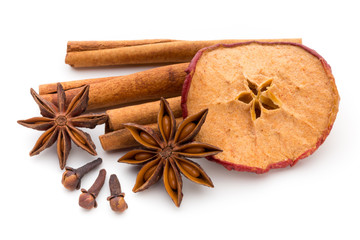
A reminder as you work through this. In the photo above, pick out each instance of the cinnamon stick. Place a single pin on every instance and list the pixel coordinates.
(174, 51)
(140, 114)
(147, 85)
(76, 46)
(122, 139)
(51, 87)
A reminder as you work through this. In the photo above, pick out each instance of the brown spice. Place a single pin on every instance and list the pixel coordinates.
(142, 114)
(122, 139)
(117, 201)
(59, 121)
(165, 153)
(87, 198)
(163, 52)
(71, 178)
(76, 46)
(147, 85)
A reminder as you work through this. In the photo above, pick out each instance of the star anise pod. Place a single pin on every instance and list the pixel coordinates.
(165, 153)
(59, 121)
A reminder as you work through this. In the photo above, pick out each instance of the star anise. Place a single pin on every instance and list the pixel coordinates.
(165, 153)
(59, 121)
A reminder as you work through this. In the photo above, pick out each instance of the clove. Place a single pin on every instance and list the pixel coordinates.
(87, 197)
(71, 178)
(117, 201)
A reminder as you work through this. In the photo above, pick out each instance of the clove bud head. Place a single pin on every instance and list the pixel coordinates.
(117, 203)
(87, 200)
(70, 180)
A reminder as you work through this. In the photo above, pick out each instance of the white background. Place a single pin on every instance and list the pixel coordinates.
(316, 199)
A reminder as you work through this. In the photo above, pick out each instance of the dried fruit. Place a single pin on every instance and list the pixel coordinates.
(270, 104)
(165, 154)
(60, 121)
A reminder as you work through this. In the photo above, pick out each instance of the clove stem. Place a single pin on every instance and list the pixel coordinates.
(99, 182)
(81, 171)
(114, 184)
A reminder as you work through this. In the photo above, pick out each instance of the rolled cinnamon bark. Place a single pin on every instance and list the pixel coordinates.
(122, 139)
(76, 46)
(147, 85)
(140, 114)
(51, 87)
(163, 52)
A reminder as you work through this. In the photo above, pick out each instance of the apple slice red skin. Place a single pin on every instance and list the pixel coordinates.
(238, 167)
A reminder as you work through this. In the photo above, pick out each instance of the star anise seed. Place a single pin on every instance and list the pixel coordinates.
(59, 121)
(166, 151)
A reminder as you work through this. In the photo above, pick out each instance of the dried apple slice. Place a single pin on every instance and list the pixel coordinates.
(270, 104)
